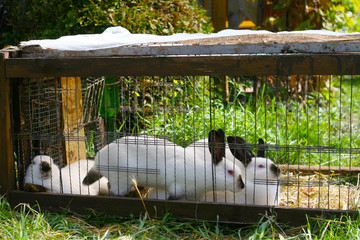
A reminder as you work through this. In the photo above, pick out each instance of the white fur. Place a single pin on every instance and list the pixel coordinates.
(254, 192)
(71, 176)
(50, 180)
(74, 173)
(156, 193)
(180, 172)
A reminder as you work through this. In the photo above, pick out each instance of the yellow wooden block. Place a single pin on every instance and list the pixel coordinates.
(247, 24)
(75, 148)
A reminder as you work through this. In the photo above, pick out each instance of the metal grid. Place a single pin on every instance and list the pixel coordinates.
(40, 111)
(305, 121)
(46, 127)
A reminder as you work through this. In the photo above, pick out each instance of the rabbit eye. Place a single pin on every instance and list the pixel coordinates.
(33, 162)
(261, 166)
(231, 172)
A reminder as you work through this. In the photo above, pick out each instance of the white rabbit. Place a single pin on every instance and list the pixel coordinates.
(260, 174)
(153, 162)
(43, 171)
(73, 174)
(158, 193)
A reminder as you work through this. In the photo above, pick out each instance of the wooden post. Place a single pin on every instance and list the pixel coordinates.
(219, 14)
(75, 147)
(7, 166)
(103, 134)
(306, 169)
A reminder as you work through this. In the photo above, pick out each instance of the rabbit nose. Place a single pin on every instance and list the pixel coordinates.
(241, 183)
(45, 167)
(275, 169)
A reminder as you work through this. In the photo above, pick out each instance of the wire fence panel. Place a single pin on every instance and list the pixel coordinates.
(278, 140)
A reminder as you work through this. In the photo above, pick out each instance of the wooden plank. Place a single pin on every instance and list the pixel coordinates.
(7, 166)
(120, 206)
(102, 130)
(246, 65)
(306, 169)
(72, 119)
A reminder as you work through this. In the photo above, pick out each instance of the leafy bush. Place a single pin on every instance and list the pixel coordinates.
(343, 16)
(288, 15)
(51, 19)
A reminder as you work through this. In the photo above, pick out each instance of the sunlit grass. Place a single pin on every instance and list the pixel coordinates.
(319, 130)
(27, 223)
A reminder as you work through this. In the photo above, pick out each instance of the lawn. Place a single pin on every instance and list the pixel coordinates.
(321, 128)
(27, 223)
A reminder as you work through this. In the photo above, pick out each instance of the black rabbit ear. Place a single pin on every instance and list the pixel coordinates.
(92, 177)
(222, 134)
(216, 146)
(261, 148)
(240, 149)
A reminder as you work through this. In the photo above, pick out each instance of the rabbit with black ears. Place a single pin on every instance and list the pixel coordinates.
(180, 172)
(260, 174)
(44, 172)
(203, 153)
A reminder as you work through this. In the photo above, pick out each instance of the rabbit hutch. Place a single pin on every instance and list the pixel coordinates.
(290, 100)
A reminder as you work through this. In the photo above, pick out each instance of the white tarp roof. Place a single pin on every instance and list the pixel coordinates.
(119, 41)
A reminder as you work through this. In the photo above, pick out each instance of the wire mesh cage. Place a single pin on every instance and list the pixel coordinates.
(215, 131)
(309, 125)
(54, 122)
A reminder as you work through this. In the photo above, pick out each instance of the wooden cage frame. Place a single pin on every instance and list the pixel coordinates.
(13, 67)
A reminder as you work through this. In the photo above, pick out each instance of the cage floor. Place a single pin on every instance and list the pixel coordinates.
(319, 191)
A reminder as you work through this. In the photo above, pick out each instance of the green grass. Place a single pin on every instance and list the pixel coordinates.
(27, 223)
(318, 130)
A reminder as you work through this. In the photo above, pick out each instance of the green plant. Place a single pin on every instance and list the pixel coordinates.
(342, 16)
(53, 19)
(285, 15)
(27, 223)
(290, 15)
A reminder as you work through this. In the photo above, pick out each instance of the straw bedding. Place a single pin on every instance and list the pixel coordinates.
(318, 191)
